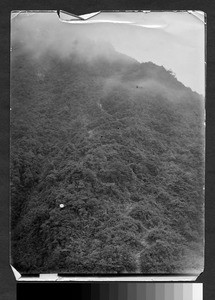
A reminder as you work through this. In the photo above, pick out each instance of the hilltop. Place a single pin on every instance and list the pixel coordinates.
(121, 145)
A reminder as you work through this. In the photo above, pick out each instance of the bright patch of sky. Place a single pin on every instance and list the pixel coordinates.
(175, 40)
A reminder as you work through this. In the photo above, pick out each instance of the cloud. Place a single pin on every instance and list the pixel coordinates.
(173, 40)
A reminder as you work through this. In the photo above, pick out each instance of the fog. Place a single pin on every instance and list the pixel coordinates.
(40, 34)
(178, 47)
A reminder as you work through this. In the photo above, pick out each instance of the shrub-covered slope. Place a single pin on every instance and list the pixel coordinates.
(120, 144)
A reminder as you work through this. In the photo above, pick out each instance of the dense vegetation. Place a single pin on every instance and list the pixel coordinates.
(121, 145)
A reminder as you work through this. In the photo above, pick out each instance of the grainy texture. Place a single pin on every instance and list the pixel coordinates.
(8, 286)
(107, 157)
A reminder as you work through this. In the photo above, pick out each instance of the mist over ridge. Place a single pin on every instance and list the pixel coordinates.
(181, 52)
(100, 56)
(107, 159)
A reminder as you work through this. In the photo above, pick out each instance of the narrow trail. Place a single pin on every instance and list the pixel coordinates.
(126, 210)
(101, 108)
(138, 254)
(138, 262)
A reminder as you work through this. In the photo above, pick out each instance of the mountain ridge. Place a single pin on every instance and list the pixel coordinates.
(124, 156)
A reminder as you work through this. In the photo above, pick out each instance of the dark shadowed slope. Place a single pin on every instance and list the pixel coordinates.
(121, 145)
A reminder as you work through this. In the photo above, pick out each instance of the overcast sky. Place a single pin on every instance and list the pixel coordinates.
(174, 40)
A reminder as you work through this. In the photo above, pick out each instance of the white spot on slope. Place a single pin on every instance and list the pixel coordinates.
(90, 132)
(99, 105)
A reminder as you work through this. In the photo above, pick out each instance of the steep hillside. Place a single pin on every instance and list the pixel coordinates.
(120, 144)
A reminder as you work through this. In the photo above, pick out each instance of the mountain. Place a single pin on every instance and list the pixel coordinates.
(121, 145)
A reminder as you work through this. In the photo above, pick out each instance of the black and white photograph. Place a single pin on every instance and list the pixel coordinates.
(107, 142)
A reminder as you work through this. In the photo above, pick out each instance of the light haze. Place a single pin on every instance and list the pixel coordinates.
(174, 40)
